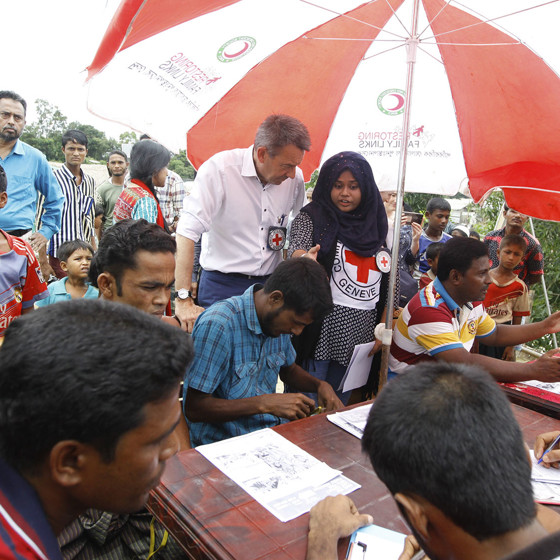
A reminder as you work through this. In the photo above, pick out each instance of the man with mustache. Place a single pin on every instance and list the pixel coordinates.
(29, 175)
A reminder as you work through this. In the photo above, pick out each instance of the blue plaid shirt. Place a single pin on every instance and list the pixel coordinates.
(234, 359)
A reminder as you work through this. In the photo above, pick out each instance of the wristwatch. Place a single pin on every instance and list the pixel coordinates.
(182, 294)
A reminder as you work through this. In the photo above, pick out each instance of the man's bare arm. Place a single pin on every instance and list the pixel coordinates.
(545, 368)
(203, 407)
(186, 310)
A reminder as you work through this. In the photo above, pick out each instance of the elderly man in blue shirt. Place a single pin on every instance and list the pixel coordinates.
(29, 175)
(241, 346)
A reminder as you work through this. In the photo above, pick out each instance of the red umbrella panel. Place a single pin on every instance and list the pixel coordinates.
(484, 106)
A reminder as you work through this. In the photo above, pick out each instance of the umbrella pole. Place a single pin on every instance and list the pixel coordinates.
(387, 334)
(546, 301)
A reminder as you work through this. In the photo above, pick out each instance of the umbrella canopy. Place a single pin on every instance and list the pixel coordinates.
(485, 107)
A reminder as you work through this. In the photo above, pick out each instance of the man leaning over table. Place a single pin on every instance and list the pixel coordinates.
(241, 346)
(242, 199)
(443, 319)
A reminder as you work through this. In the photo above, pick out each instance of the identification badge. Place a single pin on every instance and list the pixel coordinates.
(383, 260)
(276, 238)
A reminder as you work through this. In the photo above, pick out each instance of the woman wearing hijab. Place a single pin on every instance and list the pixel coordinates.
(148, 169)
(344, 228)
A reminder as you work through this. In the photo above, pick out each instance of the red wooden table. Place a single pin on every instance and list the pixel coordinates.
(211, 517)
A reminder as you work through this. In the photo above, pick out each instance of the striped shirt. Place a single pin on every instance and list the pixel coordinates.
(171, 197)
(78, 212)
(432, 323)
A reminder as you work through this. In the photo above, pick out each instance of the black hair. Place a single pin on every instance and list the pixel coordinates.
(92, 368)
(76, 136)
(119, 153)
(68, 247)
(474, 233)
(98, 209)
(3, 180)
(145, 137)
(437, 203)
(514, 239)
(278, 131)
(446, 432)
(433, 250)
(6, 94)
(304, 285)
(146, 158)
(458, 254)
(120, 243)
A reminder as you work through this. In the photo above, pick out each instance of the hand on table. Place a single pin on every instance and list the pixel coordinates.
(329, 520)
(547, 367)
(287, 405)
(327, 397)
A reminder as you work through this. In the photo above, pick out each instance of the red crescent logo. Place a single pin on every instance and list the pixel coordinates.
(400, 102)
(234, 55)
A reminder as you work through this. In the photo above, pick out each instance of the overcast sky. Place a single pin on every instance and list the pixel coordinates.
(47, 46)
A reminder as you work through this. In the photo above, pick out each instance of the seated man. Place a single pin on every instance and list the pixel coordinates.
(443, 319)
(83, 422)
(243, 343)
(444, 440)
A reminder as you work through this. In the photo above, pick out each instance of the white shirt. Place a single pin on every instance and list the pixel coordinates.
(230, 203)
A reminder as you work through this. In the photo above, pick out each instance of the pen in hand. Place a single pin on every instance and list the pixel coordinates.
(550, 448)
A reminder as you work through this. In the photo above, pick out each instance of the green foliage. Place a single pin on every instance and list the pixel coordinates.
(128, 137)
(181, 166)
(45, 133)
(313, 180)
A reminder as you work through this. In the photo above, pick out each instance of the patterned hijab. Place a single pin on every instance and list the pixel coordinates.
(364, 229)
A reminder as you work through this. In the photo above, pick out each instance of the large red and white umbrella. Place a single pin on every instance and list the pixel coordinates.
(485, 107)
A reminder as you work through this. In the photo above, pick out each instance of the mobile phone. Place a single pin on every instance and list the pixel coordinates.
(413, 217)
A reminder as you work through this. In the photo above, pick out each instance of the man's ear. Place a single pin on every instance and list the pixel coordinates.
(455, 277)
(3, 199)
(276, 299)
(261, 152)
(414, 513)
(107, 285)
(67, 461)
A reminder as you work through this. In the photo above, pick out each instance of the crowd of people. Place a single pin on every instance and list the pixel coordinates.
(269, 289)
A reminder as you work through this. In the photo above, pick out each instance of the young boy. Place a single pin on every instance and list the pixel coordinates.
(21, 281)
(437, 216)
(507, 299)
(75, 260)
(432, 256)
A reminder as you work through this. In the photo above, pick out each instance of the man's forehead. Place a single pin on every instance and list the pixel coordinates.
(13, 104)
(151, 259)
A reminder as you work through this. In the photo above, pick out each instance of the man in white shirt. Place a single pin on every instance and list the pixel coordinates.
(241, 199)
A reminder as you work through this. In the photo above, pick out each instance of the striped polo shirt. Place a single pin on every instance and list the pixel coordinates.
(432, 323)
(78, 212)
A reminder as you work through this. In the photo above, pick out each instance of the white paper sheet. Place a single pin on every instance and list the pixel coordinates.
(357, 372)
(353, 421)
(552, 387)
(282, 477)
(543, 474)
